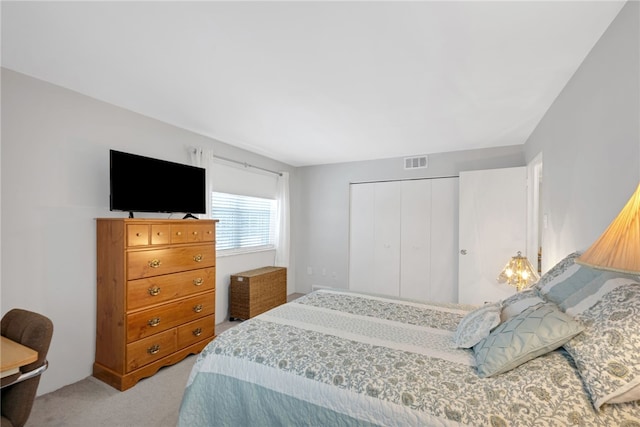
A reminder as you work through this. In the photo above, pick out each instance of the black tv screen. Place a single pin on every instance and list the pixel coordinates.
(144, 184)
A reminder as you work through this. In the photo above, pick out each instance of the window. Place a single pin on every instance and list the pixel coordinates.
(245, 223)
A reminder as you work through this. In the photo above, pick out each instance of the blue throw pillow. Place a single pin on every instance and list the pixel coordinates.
(532, 333)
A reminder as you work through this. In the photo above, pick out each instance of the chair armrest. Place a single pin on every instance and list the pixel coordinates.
(27, 375)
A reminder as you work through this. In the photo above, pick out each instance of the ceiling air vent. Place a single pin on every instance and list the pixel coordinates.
(418, 162)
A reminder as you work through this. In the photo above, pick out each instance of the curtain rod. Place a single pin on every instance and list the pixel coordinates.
(247, 165)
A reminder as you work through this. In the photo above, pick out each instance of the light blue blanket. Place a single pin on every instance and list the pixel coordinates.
(335, 358)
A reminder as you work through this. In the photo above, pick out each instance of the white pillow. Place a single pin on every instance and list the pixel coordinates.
(477, 325)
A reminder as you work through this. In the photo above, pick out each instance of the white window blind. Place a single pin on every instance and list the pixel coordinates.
(245, 223)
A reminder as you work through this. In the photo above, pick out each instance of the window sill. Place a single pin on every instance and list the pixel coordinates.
(233, 252)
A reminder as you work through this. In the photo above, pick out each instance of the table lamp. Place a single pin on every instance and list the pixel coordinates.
(518, 273)
(618, 248)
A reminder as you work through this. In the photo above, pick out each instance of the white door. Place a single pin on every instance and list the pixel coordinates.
(429, 240)
(361, 237)
(415, 262)
(492, 227)
(386, 247)
(404, 238)
(444, 240)
(374, 254)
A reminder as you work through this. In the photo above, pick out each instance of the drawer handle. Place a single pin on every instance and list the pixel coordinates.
(159, 233)
(198, 281)
(138, 234)
(154, 291)
(154, 322)
(198, 258)
(197, 332)
(195, 233)
(153, 349)
(197, 308)
(178, 233)
(154, 263)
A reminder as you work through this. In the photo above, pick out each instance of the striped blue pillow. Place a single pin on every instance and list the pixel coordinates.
(591, 293)
(578, 287)
(557, 270)
(572, 280)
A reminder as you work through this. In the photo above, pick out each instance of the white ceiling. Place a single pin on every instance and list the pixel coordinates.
(316, 82)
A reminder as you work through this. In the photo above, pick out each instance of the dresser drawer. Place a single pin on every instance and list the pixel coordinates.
(159, 289)
(147, 350)
(179, 233)
(160, 234)
(147, 263)
(201, 232)
(154, 320)
(196, 331)
(137, 235)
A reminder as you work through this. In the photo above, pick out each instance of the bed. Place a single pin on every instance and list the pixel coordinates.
(565, 352)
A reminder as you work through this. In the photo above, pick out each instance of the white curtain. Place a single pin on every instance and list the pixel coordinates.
(282, 221)
(203, 158)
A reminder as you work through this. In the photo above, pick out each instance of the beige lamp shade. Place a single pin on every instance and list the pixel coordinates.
(518, 273)
(618, 249)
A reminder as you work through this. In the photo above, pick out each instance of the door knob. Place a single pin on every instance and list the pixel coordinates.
(463, 251)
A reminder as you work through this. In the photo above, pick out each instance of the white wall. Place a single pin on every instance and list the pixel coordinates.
(590, 140)
(55, 182)
(322, 240)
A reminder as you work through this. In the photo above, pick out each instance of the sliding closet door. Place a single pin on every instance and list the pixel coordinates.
(415, 262)
(386, 256)
(429, 240)
(374, 263)
(403, 238)
(444, 240)
(361, 236)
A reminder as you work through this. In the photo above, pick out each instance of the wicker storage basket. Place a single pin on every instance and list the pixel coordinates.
(256, 291)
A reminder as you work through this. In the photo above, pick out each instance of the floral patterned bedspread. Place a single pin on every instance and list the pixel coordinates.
(339, 358)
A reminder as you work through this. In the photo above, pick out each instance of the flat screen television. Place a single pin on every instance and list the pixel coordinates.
(145, 184)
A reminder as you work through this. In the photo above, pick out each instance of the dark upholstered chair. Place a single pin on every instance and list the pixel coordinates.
(32, 330)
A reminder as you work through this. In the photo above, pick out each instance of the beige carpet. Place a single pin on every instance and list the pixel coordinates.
(154, 401)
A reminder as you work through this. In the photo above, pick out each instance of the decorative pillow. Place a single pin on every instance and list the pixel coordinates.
(589, 294)
(607, 354)
(568, 283)
(517, 303)
(557, 269)
(477, 324)
(532, 333)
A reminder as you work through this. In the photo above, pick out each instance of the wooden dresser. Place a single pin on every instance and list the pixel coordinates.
(155, 296)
